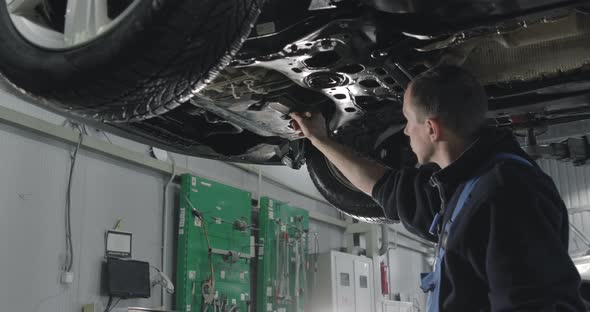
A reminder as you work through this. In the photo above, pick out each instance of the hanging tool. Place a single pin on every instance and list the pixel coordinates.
(208, 292)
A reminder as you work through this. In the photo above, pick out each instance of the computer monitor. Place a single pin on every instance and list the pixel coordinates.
(128, 278)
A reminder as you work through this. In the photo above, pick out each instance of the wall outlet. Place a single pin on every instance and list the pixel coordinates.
(67, 277)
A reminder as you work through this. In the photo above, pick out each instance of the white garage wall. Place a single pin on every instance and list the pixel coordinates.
(405, 267)
(33, 179)
(33, 176)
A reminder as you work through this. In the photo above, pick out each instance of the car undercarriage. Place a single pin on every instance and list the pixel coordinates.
(209, 86)
(350, 63)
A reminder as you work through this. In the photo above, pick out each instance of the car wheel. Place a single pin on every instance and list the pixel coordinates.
(391, 148)
(339, 192)
(119, 60)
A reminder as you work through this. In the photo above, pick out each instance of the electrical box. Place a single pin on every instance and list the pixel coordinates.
(118, 244)
(282, 257)
(344, 284)
(214, 247)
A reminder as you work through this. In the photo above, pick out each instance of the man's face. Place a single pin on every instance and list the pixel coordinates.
(417, 129)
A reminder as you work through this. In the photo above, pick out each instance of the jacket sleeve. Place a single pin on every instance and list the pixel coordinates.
(526, 260)
(407, 196)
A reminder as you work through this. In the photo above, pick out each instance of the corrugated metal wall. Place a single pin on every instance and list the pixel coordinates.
(574, 186)
(572, 182)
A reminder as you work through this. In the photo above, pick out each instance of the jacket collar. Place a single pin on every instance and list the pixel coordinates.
(489, 142)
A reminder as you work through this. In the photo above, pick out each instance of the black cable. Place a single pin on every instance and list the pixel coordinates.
(114, 305)
(106, 136)
(108, 307)
(200, 216)
(69, 245)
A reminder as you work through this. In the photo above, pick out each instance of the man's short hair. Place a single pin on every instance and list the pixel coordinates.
(453, 95)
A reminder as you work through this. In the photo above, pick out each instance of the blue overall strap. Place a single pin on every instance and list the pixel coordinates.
(515, 157)
(471, 184)
(431, 281)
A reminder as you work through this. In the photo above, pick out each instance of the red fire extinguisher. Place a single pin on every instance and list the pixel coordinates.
(384, 282)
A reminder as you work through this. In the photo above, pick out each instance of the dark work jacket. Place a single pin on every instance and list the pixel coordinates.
(508, 249)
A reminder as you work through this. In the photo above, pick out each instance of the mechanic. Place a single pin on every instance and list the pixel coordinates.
(500, 224)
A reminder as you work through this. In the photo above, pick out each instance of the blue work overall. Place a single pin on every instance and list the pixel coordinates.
(431, 281)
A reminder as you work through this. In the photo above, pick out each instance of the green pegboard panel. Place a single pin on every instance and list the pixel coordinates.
(225, 214)
(282, 257)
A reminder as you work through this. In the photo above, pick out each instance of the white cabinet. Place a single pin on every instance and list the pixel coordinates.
(344, 284)
(363, 284)
(343, 278)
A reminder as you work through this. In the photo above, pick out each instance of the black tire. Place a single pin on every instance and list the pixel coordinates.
(344, 197)
(585, 293)
(150, 63)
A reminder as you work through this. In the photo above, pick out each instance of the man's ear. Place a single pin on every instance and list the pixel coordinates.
(435, 130)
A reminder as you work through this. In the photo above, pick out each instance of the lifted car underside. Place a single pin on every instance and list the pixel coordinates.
(353, 61)
(218, 78)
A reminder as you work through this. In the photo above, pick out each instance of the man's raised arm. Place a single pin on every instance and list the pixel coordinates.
(362, 173)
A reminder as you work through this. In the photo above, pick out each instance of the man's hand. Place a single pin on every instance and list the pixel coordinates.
(361, 172)
(311, 125)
